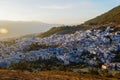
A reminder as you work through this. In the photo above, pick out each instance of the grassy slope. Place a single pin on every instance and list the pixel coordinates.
(48, 75)
(110, 16)
(63, 30)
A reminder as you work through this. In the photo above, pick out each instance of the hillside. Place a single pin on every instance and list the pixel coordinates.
(108, 17)
(63, 30)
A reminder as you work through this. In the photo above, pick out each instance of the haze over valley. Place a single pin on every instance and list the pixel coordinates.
(21, 28)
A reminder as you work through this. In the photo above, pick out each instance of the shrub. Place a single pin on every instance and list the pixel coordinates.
(105, 73)
(117, 75)
(93, 71)
(20, 66)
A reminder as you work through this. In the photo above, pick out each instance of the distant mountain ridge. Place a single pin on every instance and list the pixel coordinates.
(20, 28)
(112, 15)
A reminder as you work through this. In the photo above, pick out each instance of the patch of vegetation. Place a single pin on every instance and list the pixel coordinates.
(117, 57)
(117, 75)
(93, 71)
(37, 46)
(44, 65)
(117, 29)
(105, 73)
(63, 30)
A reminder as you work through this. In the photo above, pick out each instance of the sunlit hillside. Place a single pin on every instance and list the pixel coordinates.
(108, 17)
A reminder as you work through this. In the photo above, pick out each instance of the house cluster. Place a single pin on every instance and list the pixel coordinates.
(91, 46)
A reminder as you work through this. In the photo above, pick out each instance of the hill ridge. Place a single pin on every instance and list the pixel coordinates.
(112, 15)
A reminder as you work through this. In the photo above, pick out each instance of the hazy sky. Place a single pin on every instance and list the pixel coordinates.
(54, 11)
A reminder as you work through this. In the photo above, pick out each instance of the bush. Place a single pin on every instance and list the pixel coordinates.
(117, 75)
(93, 71)
(105, 73)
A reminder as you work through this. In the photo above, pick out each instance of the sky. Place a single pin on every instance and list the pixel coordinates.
(54, 11)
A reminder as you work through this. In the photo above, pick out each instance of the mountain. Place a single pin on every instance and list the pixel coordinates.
(112, 15)
(19, 28)
(106, 18)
